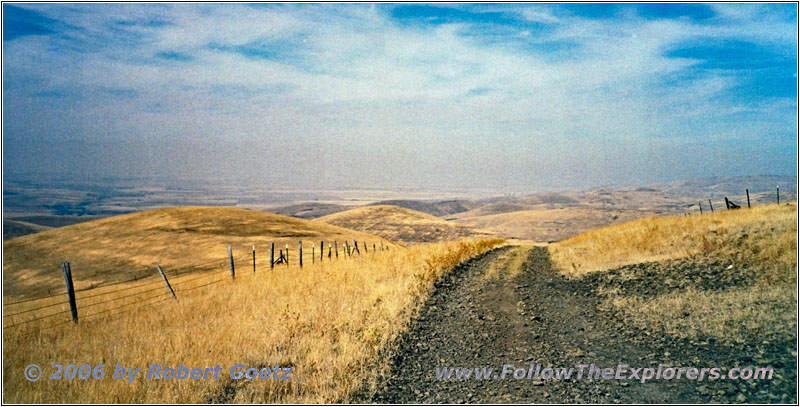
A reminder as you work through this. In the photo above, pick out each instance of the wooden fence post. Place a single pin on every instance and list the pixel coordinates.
(272, 256)
(355, 247)
(336, 249)
(230, 261)
(365, 247)
(313, 254)
(164, 276)
(727, 204)
(254, 259)
(701, 208)
(711, 206)
(747, 191)
(381, 246)
(373, 248)
(287, 255)
(321, 249)
(300, 252)
(70, 291)
(779, 195)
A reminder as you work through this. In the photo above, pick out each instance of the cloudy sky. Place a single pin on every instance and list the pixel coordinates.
(314, 96)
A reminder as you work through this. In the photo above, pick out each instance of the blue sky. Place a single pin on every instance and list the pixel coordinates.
(430, 95)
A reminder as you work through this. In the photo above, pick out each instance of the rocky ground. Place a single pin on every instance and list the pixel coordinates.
(538, 316)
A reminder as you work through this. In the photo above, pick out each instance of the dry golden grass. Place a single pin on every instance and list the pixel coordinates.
(402, 225)
(726, 315)
(120, 247)
(330, 321)
(763, 239)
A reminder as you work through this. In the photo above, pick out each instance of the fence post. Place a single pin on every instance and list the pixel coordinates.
(321, 249)
(381, 245)
(373, 248)
(701, 207)
(330, 250)
(272, 256)
(287, 255)
(747, 191)
(254, 259)
(355, 247)
(365, 247)
(779, 195)
(164, 276)
(313, 254)
(230, 261)
(70, 291)
(727, 204)
(711, 206)
(336, 249)
(300, 252)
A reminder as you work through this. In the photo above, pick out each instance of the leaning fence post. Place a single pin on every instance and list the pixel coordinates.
(365, 247)
(711, 206)
(70, 291)
(727, 204)
(355, 247)
(254, 258)
(287, 255)
(164, 276)
(701, 207)
(272, 256)
(747, 191)
(230, 261)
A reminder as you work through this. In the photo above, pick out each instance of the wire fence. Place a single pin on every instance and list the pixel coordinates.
(118, 297)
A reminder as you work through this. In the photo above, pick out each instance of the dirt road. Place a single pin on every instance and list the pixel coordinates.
(531, 315)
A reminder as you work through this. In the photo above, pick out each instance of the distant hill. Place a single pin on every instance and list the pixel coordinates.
(15, 228)
(120, 247)
(309, 210)
(440, 208)
(24, 225)
(401, 224)
(714, 187)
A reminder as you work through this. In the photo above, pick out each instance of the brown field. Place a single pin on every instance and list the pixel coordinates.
(122, 247)
(761, 242)
(402, 225)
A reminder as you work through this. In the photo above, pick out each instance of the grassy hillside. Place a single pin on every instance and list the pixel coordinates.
(309, 210)
(440, 209)
(332, 322)
(121, 247)
(401, 224)
(730, 275)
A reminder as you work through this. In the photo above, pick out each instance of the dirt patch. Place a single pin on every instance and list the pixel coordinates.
(538, 316)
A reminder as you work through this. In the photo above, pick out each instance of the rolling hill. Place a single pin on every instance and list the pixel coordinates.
(402, 225)
(121, 247)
